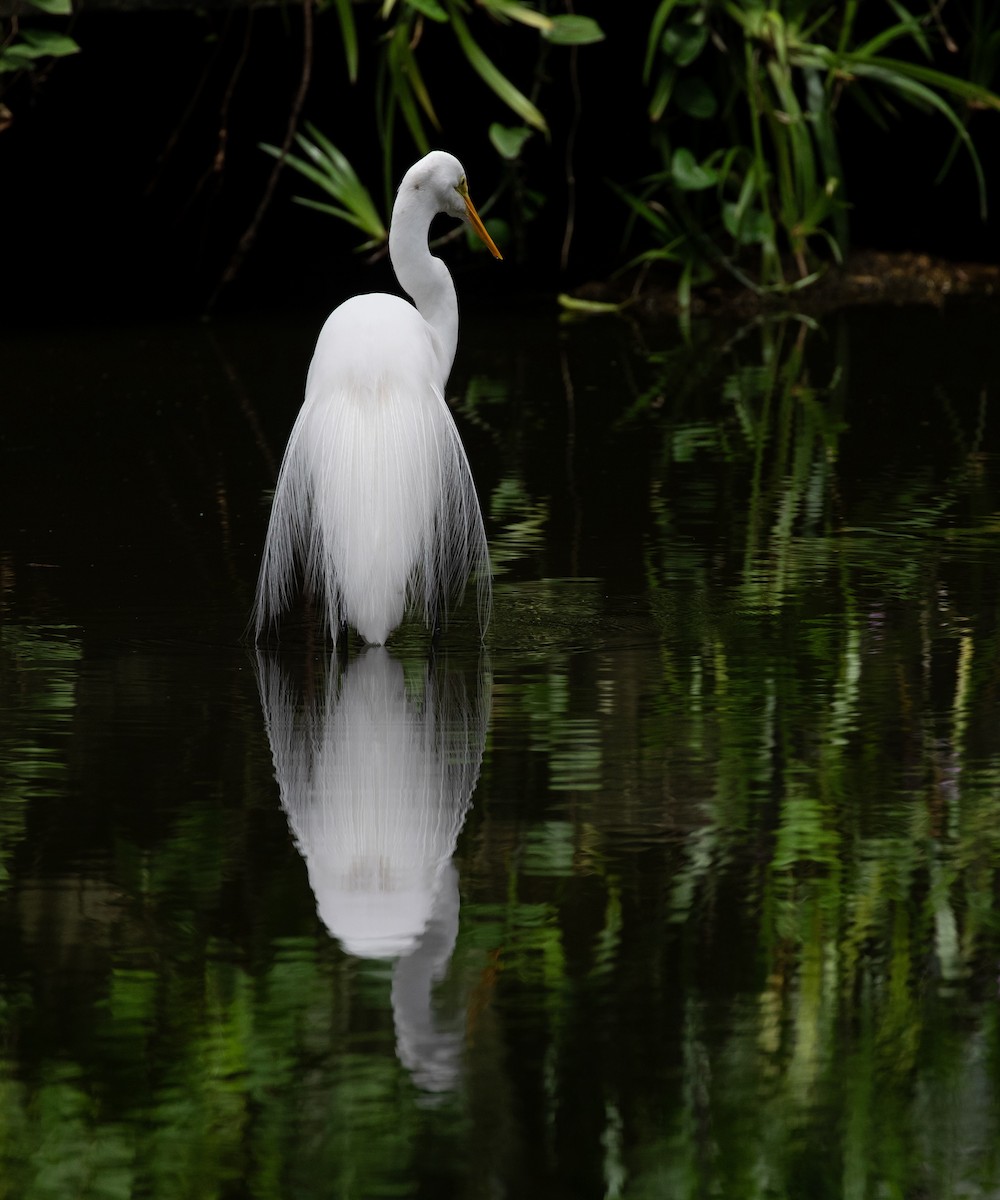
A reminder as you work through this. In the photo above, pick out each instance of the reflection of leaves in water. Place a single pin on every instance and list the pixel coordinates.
(549, 849)
(571, 743)
(519, 524)
(818, 732)
(38, 672)
(729, 898)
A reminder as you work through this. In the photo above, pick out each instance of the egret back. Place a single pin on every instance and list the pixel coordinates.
(375, 501)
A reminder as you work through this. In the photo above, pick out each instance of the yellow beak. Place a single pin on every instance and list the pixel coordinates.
(477, 222)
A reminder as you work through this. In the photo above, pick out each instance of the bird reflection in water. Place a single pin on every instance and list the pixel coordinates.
(376, 776)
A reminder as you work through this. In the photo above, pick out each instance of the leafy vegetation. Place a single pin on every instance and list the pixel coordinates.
(744, 99)
(325, 166)
(26, 48)
(402, 96)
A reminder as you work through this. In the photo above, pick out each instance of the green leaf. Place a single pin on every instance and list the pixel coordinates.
(330, 170)
(349, 186)
(882, 39)
(41, 43)
(916, 30)
(349, 32)
(495, 79)
(58, 8)
(512, 10)
(688, 175)
(749, 227)
(508, 142)
(641, 207)
(684, 287)
(906, 80)
(429, 8)
(405, 84)
(586, 307)
(342, 215)
(661, 93)
(684, 42)
(656, 27)
(694, 97)
(406, 62)
(11, 60)
(972, 93)
(570, 30)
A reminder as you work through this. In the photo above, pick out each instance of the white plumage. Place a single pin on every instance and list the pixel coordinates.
(376, 779)
(375, 505)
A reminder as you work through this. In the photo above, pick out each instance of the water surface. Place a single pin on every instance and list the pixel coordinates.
(684, 884)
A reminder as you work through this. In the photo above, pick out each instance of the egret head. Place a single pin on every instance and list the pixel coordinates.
(442, 177)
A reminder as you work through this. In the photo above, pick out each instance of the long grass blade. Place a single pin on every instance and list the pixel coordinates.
(399, 52)
(494, 78)
(917, 93)
(349, 32)
(512, 10)
(657, 25)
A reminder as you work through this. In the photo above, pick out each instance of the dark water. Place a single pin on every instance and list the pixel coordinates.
(686, 885)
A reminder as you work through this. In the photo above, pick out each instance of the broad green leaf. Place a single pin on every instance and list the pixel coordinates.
(684, 42)
(508, 141)
(36, 43)
(694, 97)
(570, 30)
(688, 175)
(11, 60)
(749, 227)
(494, 79)
(58, 8)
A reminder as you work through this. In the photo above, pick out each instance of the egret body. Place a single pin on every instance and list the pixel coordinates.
(375, 503)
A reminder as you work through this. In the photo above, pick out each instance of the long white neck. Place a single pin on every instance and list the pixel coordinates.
(424, 278)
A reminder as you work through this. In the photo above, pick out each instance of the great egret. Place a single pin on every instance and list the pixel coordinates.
(375, 501)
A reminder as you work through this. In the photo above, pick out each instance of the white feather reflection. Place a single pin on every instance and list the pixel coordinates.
(376, 777)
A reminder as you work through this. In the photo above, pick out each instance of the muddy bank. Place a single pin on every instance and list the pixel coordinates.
(867, 277)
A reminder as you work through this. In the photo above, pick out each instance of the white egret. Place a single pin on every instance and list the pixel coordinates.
(375, 503)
